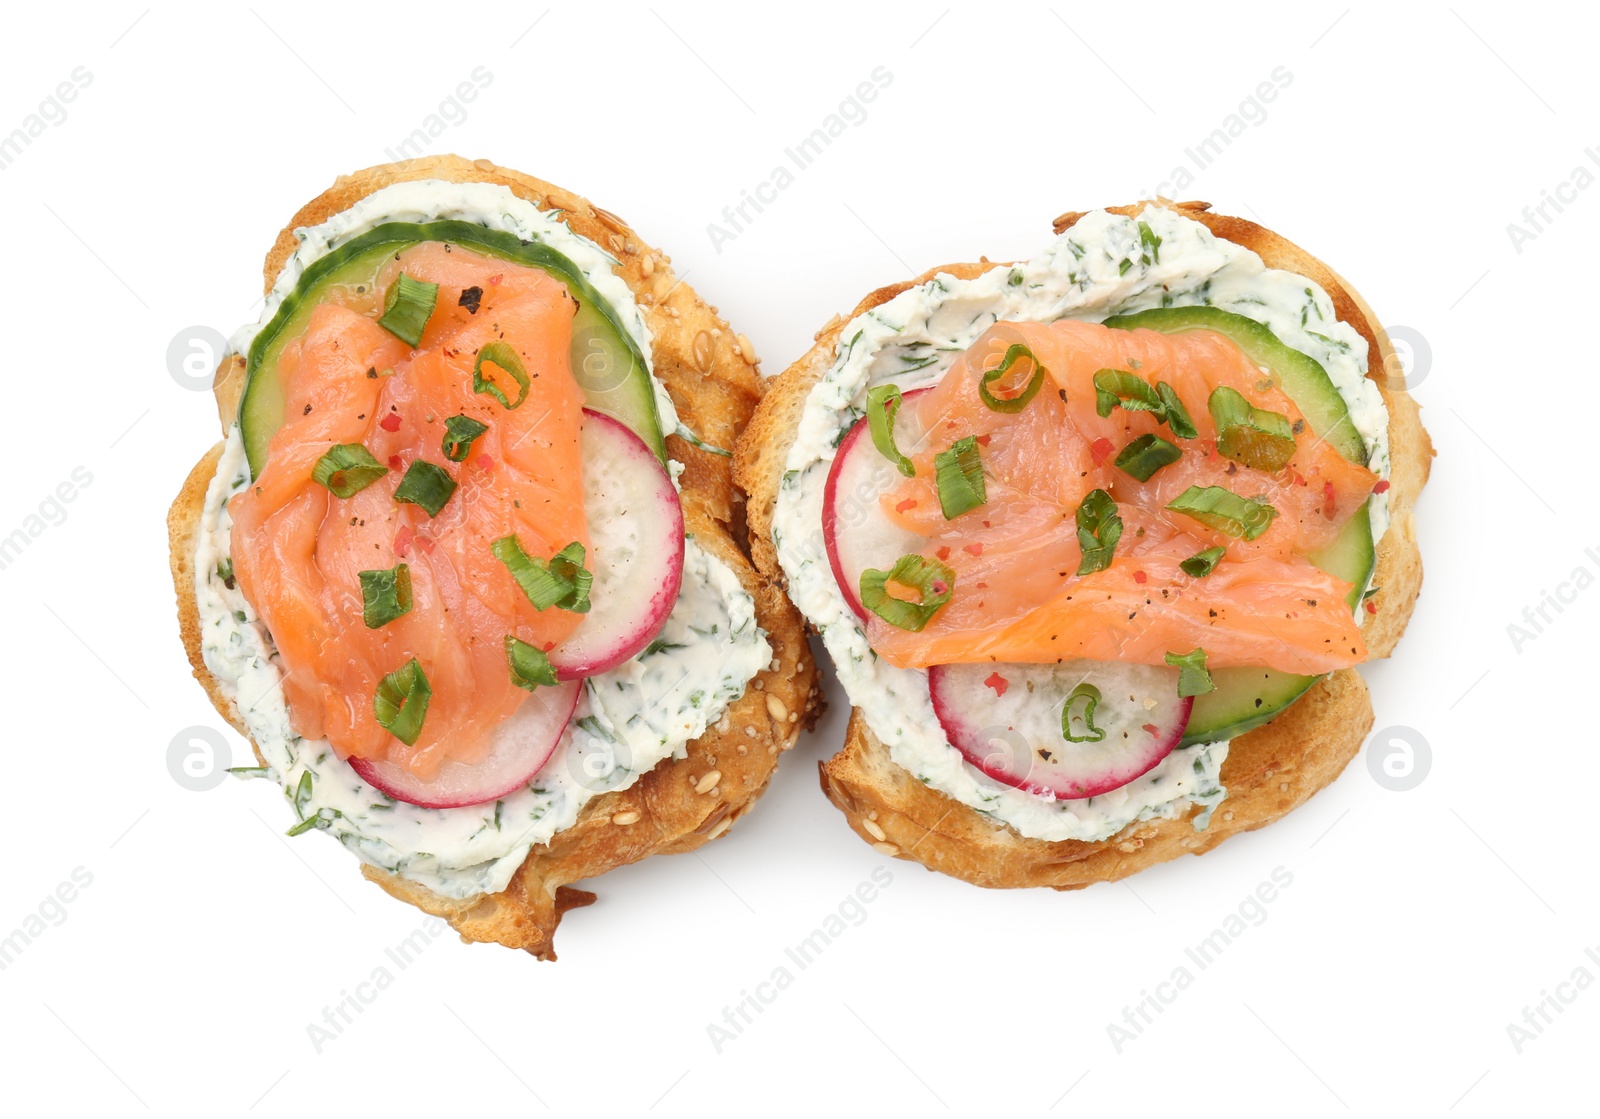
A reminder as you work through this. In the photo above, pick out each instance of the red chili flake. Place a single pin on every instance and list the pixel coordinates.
(982, 440)
(940, 586)
(998, 682)
(1372, 607)
(1152, 728)
(983, 586)
(391, 422)
(908, 503)
(943, 553)
(425, 542)
(402, 541)
(1296, 477)
(1381, 487)
(973, 549)
(394, 462)
(495, 279)
(486, 462)
(1101, 450)
(1330, 500)
(1139, 576)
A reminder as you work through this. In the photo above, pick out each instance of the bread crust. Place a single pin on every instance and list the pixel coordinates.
(1268, 772)
(714, 384)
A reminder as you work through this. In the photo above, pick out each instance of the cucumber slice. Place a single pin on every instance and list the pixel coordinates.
(1245, 698)
(1301, 377)
(607, 363)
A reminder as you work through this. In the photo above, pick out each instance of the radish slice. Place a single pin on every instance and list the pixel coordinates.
(519, 749)
(1006, 720)
(636, 550)
(855, 532)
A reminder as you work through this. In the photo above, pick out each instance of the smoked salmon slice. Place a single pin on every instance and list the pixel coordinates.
(298, 548)
(1017, 595)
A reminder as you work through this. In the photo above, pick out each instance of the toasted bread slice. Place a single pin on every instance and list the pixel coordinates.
(1268, 772)
(712, 379)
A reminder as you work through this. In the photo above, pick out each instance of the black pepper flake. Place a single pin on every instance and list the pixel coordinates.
(1299, 426)
(1233, 468)
(471, 298)
(307, 412)
(372, 373)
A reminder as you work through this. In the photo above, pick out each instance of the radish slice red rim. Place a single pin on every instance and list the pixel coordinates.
(636, 554)
(635, 550)
(1006, 720)
(519, 749)
(855, 532)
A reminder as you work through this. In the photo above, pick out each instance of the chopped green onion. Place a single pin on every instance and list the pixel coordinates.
(407, 307)
(1090, 695)
(347, 469)
(1177, 416)
(883, 403)
(459, 433)
(1193, 677)
(385, 595)
(1016, 403)
(560, 581)
(504, 357)
(1224, 511)
(934, 582)
(529, 666)
(1203, 563)
(1260, 439)
(427, 485)
(959, 473)
(1145, 455)
(302, 792)
(1099, 529)
(1117, 386)
(401, 701)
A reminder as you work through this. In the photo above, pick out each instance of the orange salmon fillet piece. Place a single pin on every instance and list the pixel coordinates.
(1017, 596)
(298, 549)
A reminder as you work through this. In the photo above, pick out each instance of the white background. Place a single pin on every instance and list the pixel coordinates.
(1418, 924)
